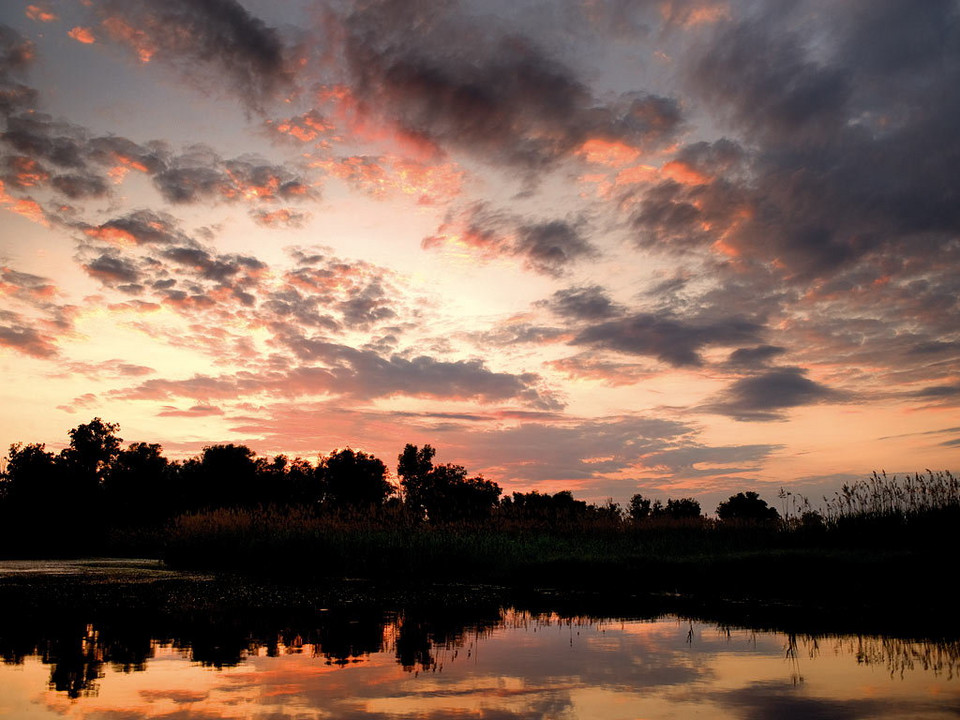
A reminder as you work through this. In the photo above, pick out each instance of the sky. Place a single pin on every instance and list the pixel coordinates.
(675, 247)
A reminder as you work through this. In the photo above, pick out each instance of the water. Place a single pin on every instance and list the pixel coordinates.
(439, 660)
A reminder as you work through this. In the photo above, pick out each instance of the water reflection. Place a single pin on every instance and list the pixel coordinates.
(442, 661)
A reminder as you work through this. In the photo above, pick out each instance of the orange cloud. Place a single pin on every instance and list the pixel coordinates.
(305, 128)
(113, 235)
(683, 173)
(138, 40)
(380, 175)
(26, 207)
(608, 152)
(685, 15)
(82, 35)
(284, 217)
(35, 12)
(28, 172)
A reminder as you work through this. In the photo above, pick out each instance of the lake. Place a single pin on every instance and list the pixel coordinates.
(131, 646)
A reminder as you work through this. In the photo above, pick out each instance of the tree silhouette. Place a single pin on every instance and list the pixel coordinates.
(746, 507)
(413, 468)
(443, 493)
(353, 479)
(639, 508)
(679, 509)
(93, 446)
(137, 485)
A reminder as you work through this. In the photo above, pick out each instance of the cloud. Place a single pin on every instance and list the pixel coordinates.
(39, 14)
(194, 411)
(16, 53)
(200, 174)
(141, 227)
(280, 218)
(210, 41)
(764, 396)
(582, 303)
(547, 247)
(755, 357)
(852, 150)
(463, 82)
(113, 270)
(82, 35)
(677, 342)
(17, 333)
(32, 320)
(360, 374)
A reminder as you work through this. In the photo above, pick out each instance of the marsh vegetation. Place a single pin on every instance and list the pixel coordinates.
(227, 509)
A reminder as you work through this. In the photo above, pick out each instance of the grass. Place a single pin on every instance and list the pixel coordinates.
(885, 540)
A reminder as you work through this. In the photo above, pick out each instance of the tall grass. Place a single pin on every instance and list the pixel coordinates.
(863, 524)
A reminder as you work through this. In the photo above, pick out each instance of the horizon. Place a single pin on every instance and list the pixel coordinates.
(685, 248)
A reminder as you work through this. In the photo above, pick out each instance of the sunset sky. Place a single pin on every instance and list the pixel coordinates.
(683, 248)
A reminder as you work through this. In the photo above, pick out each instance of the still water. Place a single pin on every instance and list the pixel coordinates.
(440, 661)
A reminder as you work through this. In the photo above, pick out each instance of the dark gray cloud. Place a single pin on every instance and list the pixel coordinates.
(365, 373)
(213, 42)
(675, 341)
(16, 52)
(200, 174)
(463, 82)
(21, 334)
(582, 303)
(548, 247)
(142, 227)
(360, 374)
(576, 450)
(852, 147)
(113, 270)
(77, 186)
(755, 357)
(764, 396)
(41, 137)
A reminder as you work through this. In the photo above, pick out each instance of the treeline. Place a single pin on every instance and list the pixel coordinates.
(96, 481)
(229, 506)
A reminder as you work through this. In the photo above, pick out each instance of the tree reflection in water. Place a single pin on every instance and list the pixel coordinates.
(421, 638)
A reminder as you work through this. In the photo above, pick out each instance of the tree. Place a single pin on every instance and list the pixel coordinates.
(93, 446)
(31, 476)
(639, 508)
(136, 486)
(353, 479)
(443, 493)
(746, 507)
(556, 509)
(223, 476)
(680, 509)
(413, 468)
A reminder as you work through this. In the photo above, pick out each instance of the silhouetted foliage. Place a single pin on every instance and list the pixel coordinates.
(680, 509)
(544, 509)
(136, 486)
(93, 446)
(443, 493)
(223, 476)
(413, 468)
(32, 476)
(746, 507)
(639, 508)
(353, 479)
